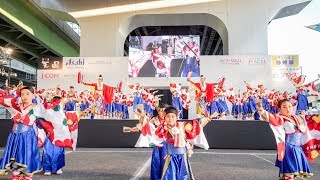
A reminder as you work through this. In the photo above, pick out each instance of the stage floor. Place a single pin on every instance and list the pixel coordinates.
(134, 163)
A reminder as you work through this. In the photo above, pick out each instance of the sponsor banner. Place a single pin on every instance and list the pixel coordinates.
(74, 63)
(49, 75)
(237, 69)
(285, 66)
(243, 60)
(50, 63)
(86, 69)
(285, 61)
(284, 73)
(255, 69)
(257, 60)
(226, 60)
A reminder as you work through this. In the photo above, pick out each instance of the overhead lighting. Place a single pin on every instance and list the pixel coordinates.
(13, 18)
(8, 51)
(136, 7)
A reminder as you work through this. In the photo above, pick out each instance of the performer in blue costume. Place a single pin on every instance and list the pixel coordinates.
(21, 155)
(170, 159)
(176, 98)
(72, 100)
(53, 158)
(191, 55)
(290, 132)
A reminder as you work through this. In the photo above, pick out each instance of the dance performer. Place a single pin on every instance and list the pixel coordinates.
(171, 161)
(159, 119)
(146, 138)
(124, 105)
(21, 154)
(186, 98)
(137, 94)
(191, 55)
(159, 61)
(103, 95)
(175, 90)
(72, 98)
(53, 157)
(296, 138)
(221, 94)
(204, 97)
(302, 90)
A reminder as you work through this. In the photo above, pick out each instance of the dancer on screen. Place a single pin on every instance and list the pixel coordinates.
(160, 62)
(191, 54)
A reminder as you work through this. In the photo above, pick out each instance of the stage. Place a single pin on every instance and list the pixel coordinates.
(221, 134)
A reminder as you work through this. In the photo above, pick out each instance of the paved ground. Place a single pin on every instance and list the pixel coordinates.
(135, 164)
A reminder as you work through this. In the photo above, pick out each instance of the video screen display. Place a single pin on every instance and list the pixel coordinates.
(164, 56)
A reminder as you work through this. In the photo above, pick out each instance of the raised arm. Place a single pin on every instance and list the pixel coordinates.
(89, 84)
(262, 112)
(274, 119)
(10, 103)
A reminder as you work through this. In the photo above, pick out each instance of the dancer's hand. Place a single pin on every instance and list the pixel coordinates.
(215, 114)
(134, 129)
(259, 105)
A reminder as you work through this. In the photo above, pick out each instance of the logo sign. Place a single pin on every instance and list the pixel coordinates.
(49, 76)
(257, 61)
(75, 63)
(285, 73)
(50, 63)
(230, 61)
(285, 61)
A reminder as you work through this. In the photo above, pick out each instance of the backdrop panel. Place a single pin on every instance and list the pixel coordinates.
(113, 69)
(255, 69)
(227, 134)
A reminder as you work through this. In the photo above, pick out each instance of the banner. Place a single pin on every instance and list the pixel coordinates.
(255, 69)
(285, 61)
(50, 63)
(112, 69)
(284, 73)
(285, 66)
(237, 69)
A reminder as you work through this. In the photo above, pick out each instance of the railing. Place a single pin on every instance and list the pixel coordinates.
(61, 24)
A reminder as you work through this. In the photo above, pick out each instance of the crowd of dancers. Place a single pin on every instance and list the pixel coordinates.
(106, 102)
(297, 134)
(49, 119)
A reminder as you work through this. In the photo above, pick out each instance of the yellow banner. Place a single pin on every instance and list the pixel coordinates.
(285, 61)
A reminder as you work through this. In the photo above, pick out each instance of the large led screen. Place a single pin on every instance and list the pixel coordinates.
(164, 56)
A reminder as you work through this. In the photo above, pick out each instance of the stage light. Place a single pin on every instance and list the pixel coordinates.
(136, 7)
(8, 51)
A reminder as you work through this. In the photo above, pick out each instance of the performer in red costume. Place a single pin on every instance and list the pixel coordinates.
(204, 96)
(103, 94)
